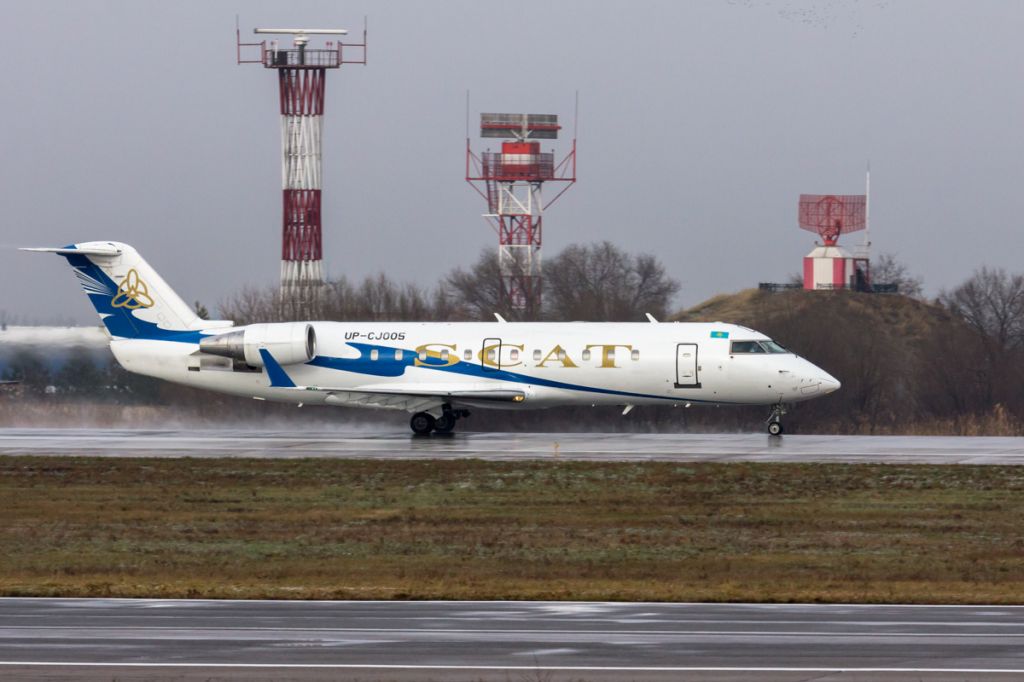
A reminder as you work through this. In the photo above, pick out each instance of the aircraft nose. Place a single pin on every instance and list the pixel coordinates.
(829, 384)
(812, 381)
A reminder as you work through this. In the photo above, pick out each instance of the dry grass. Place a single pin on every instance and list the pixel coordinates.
(489, 530)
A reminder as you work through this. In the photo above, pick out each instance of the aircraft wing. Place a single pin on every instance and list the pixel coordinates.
(412, 397)
(415, 397)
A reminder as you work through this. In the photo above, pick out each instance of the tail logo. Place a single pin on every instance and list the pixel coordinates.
(132, 293)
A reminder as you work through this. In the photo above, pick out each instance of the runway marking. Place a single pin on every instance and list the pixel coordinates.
(567, 668)
(146, 601)
(102, 631)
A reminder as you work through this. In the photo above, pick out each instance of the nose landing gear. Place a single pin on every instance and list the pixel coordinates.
(774, 420)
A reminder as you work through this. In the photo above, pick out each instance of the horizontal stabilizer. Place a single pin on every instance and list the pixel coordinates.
(108, 251)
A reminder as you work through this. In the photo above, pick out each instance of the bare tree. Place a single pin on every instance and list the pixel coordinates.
(888, 269)
(480, 292)
(377, 297)
(992, 303)
(602, 282)
(251, 304)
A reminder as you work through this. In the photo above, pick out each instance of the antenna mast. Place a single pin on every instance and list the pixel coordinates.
(302, 75)
(867, 213)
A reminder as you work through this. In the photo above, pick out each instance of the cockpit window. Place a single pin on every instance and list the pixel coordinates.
(743, 347)
(746, 347)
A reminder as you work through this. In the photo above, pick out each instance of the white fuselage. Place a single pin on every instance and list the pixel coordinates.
(549, 363)
(434, 370)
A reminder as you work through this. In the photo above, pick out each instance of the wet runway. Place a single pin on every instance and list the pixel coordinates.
(511, 446)
(111, 638)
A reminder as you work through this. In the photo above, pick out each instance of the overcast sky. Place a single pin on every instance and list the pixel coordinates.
(700, 123)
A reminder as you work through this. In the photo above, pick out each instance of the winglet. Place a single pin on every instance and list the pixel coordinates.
(499, 318)
(278, 377)
(650, 318)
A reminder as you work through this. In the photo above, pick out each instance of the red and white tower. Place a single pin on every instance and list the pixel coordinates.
(512, 180)
(830, 266)
(301, 77)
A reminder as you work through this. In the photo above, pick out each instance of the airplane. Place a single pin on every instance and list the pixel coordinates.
(435, 370)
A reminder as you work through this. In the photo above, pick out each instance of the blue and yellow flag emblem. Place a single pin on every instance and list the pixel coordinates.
(719, 335)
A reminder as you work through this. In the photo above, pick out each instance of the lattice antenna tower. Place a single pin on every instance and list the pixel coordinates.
(511, 182)
(301, 76)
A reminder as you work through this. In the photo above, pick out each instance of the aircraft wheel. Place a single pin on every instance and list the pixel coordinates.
(422, 424)
(775, 428)
(446, 424)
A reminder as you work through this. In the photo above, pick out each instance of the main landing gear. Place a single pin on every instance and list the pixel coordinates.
(774, 420)
(423, 423)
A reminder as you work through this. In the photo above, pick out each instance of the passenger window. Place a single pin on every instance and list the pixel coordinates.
(561, 355)
(536, 355)
(586, 355)
(444, 355)
(398, 354)
(423, 356)
(634, 355)
(468, 355)
(741, 347)
(514, 354)
(490, 355)
(611, 355)
(374, 354)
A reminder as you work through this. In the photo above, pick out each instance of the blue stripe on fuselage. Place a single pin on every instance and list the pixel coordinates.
(387, 366)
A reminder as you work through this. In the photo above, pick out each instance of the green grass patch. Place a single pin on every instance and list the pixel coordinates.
(469, 529)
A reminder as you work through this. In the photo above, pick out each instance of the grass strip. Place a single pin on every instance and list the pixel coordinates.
(471, 529)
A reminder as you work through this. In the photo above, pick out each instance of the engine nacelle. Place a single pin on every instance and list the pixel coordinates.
(290, 343)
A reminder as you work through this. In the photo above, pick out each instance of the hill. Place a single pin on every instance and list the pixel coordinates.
(907, 366)
(907, 317)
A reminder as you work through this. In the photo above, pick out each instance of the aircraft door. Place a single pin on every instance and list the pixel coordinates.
(490, 355)
(687, 369)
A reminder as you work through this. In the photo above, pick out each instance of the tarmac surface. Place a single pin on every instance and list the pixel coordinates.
(511, 446)
(129, 639)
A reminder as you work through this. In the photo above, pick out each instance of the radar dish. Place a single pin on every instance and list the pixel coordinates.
(831, 215)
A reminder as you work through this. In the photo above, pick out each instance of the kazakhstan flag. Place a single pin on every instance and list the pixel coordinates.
(719, 335)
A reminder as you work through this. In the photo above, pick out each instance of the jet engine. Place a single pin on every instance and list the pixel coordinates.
(290, 343)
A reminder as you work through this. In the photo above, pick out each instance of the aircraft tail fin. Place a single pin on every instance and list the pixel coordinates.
(133, 301)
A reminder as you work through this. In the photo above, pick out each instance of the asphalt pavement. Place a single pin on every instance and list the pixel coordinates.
(129, 639)
(386, 444)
